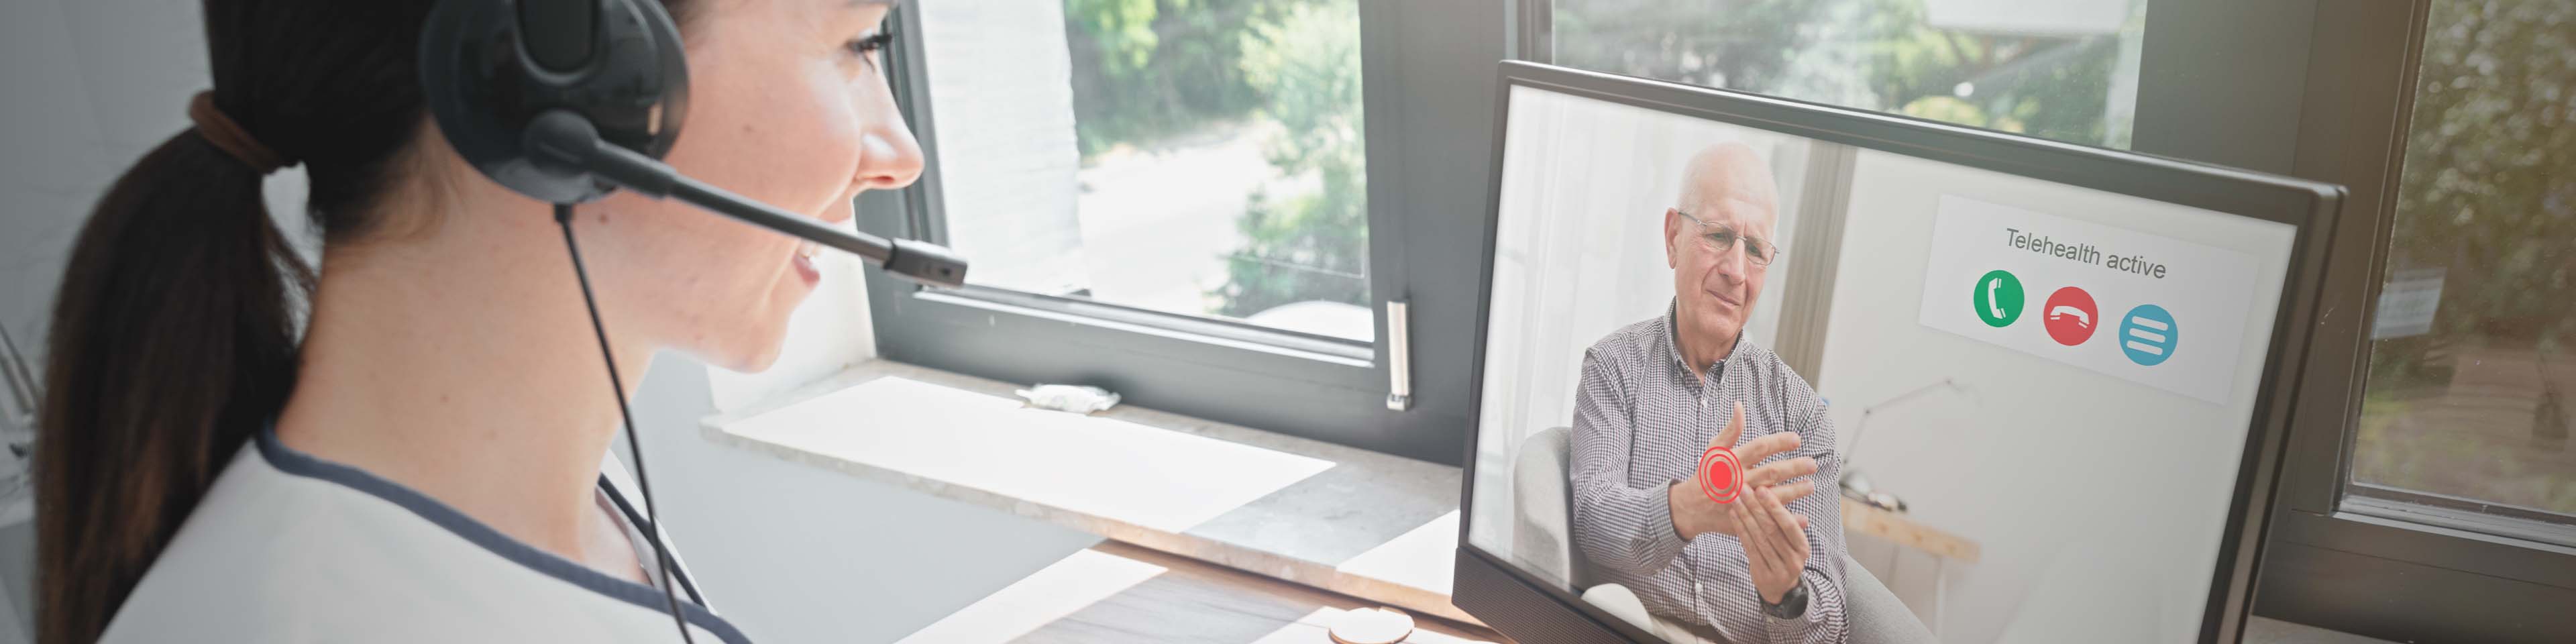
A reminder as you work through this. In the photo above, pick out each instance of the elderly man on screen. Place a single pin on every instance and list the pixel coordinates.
(1655, 395)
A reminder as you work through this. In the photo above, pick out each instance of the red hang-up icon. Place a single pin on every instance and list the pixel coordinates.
(2071, 317)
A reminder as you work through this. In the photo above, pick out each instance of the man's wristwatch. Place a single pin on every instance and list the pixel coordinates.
(1793, 604)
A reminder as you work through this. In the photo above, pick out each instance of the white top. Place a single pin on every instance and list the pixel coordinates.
(287, 547)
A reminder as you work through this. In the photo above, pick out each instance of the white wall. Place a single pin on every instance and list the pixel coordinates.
(787, 552)
(1579, 254)
(797, 554)
(1001, 81)
(94, 84)
(2098, 502)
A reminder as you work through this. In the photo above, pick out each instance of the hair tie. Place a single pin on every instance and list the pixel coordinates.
(229, 136)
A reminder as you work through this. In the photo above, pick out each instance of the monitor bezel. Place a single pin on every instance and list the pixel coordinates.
(1521, 605)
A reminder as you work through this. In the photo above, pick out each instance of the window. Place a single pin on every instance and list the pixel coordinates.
(2471, 391)
(1198, 158)
(2423, 467)
(2064, 69)
(1193, 203)
(2420, 469)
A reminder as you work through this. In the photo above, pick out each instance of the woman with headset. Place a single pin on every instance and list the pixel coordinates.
(411, 443)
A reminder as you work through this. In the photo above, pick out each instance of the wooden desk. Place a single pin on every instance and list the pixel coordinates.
(1866, 519)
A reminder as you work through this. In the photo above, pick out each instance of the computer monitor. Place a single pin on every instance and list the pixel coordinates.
(2045, 385)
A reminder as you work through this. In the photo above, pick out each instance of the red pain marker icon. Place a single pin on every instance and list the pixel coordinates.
(1717, 468)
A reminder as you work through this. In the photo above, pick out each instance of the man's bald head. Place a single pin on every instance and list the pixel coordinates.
(1728, 172)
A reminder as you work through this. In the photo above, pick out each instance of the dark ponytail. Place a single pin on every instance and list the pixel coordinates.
(171, 342)
(175, 333)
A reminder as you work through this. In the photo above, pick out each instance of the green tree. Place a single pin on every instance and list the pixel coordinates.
(2484, 189)
(2048, 87)
(2482, 193)
(1310, 244)
(1820, 50)
(1149, 70)
(1722, 43)
(1152, 71)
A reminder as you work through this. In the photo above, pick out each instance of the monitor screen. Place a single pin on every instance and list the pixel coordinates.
(2024, 405)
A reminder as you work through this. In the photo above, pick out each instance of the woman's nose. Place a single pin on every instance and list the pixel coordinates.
(888, 156)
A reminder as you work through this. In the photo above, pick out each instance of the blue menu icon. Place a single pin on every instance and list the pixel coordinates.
(2148, 335)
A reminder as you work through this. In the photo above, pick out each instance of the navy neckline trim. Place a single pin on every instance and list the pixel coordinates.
(634, 519)
(288, 460)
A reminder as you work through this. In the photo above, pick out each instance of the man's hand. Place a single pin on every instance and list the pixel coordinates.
(1775, 543)
(1694, 514)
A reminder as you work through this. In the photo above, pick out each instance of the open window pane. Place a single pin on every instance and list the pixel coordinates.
(2061, 69)
(2472, 385)
(1194, 157)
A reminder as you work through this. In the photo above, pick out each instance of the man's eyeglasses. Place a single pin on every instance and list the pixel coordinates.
(1716, 238)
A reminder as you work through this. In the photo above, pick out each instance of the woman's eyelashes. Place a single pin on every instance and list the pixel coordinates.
(866, 47)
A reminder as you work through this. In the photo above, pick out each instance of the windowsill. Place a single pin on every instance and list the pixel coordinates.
(1351, 521)
(1342, 519)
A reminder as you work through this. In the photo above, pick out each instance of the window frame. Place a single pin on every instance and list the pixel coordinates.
(1317, 387)
(2340, 560)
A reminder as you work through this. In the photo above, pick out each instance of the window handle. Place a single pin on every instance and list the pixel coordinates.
(1399, 357)
(18, 415)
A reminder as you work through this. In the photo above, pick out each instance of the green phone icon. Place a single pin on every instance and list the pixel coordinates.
(1998, 298)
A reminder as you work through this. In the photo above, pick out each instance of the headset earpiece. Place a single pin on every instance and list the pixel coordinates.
(489, 67)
